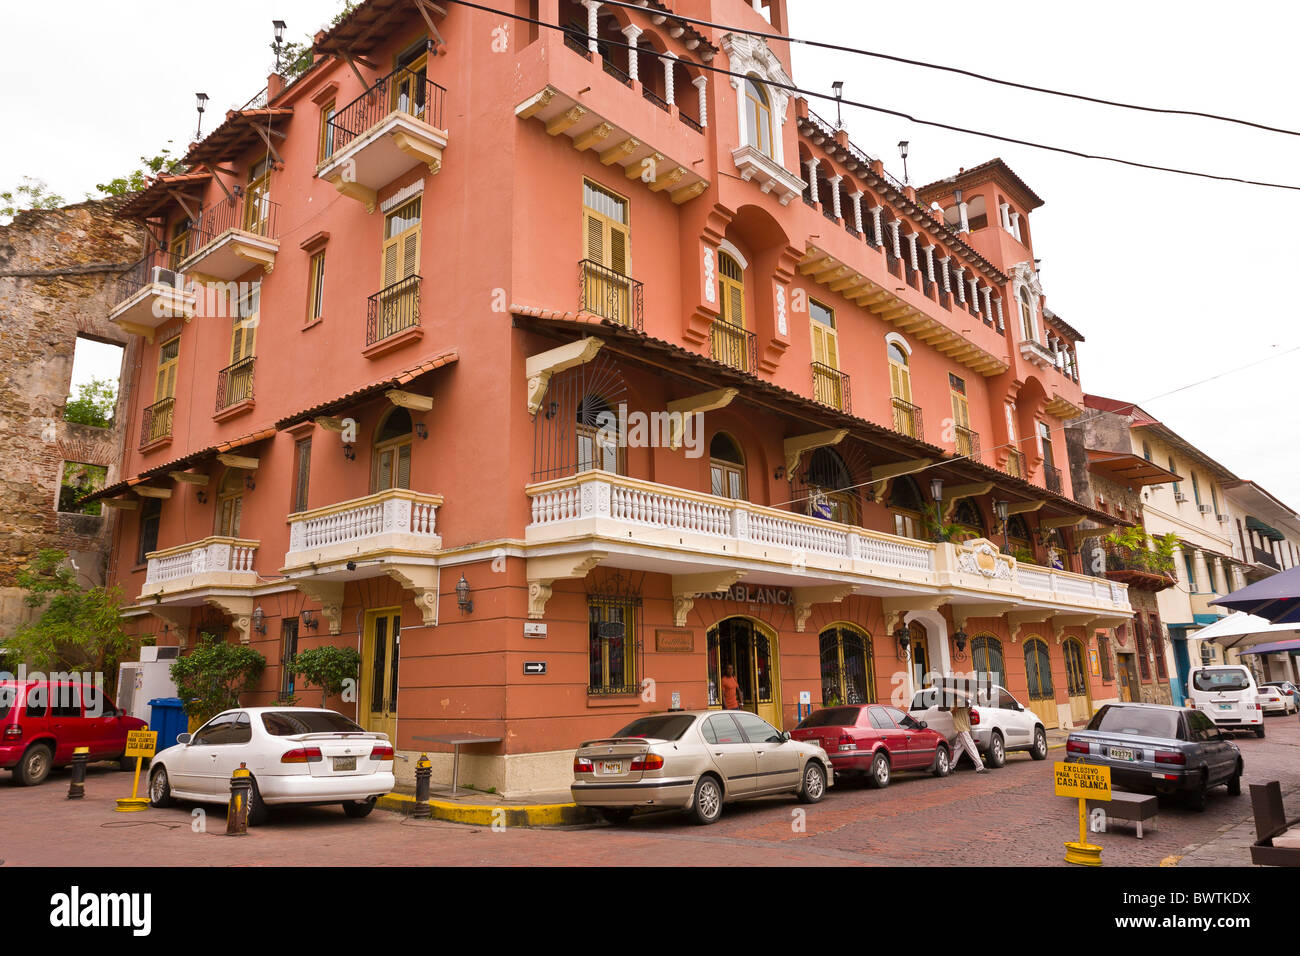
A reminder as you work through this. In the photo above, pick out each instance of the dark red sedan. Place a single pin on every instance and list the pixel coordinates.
(875, 740)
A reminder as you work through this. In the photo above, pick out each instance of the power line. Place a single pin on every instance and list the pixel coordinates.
(820, 44)
(789, 87)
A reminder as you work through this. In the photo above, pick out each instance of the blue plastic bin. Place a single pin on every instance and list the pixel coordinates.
(167, 717)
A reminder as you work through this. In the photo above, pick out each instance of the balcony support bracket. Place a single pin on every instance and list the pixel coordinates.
(1067, 521)
(886, 472)
(544, 572)
(687, 587)
(238, 461)
(329, 595)
(695, 405)
(422, 581)
(805, 598)
(1016, 620)
(410, 400)
(240, 610)
(1061, 621)
(898, 608)
(956, 493)
(176, 621)
(540, 367)
(1024, 507)
(796, 446)
(961, 613)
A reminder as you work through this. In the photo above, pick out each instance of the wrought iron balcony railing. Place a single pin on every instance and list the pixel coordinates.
(248, 212)
(967, 442)
(1052, 478)
(155, 267)
(614, 71)
(734, 346)
(690, 121)
(393, 310)
(235, 383)
(157, 422)
(611, 294)
(656, 99)
(404, 90)
(907, 418)
(831, 387)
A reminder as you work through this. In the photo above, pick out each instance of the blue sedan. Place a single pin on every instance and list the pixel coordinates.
(1153, 748)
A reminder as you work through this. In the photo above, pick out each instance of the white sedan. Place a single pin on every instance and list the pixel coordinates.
(1274, 699)
(294, 754)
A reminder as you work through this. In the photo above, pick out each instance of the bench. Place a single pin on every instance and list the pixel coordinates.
(1138, 807)
(1272, 829)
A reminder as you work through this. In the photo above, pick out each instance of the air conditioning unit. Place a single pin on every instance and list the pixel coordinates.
(1223, 519)
(150, 654)
(1205, 509)
(163, 276)
(1179, 497)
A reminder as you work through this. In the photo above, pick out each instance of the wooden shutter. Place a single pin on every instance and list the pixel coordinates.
(617, 250)
(411, 253)
(403, 467)
(960, 410)
(900, 381)
(595, 239)
(384, 479)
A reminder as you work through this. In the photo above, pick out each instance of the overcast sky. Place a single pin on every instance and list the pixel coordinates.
(1171, 279)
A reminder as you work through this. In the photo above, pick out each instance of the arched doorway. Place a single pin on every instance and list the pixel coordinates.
(1076, 679)
(847, 666)
(920, 655)
(751, 649)
(1038, 673)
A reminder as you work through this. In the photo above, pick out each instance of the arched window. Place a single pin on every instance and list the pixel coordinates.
(1027, 316)
(758, 116)
(848, 672)
(230, 503)
(830, 488)
(906, 415)
(967, 514)
(392, 457)
(1018, 531)
(726, 467)
(986, 658)
(907, 505)
(599, 441)
(1038, 670)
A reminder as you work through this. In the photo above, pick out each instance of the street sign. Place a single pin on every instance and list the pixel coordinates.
(805, 697)
(1082, 780)
(534, 628)
(141, 743)
(534, 667)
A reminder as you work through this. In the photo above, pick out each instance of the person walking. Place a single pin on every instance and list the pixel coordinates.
(961, 723)
(730, 689)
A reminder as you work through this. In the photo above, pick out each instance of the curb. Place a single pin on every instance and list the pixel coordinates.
(485, 815)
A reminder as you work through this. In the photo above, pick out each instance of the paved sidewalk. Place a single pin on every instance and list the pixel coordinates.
(1231, 846)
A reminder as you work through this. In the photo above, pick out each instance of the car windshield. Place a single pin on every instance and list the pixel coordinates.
(287, 723)
(830, 717)
(1221, 678)
(658, 727)
(1136, 721)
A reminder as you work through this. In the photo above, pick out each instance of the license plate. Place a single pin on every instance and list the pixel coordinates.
(1225, 707)
(611, 766)
(1119, 753)
(345, 763)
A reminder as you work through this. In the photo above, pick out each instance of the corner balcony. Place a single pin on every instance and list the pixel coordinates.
(214, 562)
(232, 236)
(387, 524)
(708, 543)
(1037, 354)
(149, 294)
(388, 130)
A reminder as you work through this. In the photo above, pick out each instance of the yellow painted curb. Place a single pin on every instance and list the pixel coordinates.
(486, 815)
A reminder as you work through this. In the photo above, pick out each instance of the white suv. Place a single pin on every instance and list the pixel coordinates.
(999, 723)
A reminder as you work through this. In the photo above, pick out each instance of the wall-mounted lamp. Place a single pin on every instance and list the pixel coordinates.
(200, 103)
(349, 452)
(960, 639)
(259, 620)
(902, 151)
(249, 483)
(779, 473)
(421, 429)
(904, 638)
(308, 619)
(463, 600)
(1003, 510)
(202, 496)
(552, 409)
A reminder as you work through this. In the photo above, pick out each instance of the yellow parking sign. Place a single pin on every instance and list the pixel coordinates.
(1084, 782)
(141, 743)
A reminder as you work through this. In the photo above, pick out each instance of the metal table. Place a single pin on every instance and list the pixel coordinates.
(456, 741)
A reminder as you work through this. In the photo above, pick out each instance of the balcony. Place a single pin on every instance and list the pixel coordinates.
(1015, 466)
(232, 236)
(215, 562)
(831, 387)
(156, 424)
(733, 346)
(1037, 354)
(966, 442)
(393, 317)
(1265, 558)
(611, 294)
(1052, 479)
(373, 527)
(770, 175)
(1140, 568)
(388, 130)
(907, 419)
(626, 522)
(235, 388)
(150, 294)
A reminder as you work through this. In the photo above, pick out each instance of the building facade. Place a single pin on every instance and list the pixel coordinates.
(559, 373)
(58, 272)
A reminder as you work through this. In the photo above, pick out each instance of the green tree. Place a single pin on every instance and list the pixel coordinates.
(150, 167)
(210, 678)
(327, 667)
(93, 403)
(936, 527)
(28, 194)
(79, 628)
(296, 56)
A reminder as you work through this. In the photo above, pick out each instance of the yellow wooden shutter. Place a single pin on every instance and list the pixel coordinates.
(595, 239)
(617, 250)
(819, 343)
(403, 467)
(411, 253)
(391, 252)
(733, 302)
(960, 410)
(830, 346)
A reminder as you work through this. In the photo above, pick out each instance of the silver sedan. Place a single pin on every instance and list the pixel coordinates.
(696, 761)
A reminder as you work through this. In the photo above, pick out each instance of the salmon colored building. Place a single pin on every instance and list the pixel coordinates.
(555, 378)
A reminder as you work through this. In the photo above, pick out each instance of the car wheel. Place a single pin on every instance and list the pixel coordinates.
(880, 770)
(257, 812)
(160, 788)
(617, 816)
(1196, 798)
(356, 809)
(1039, 750)
(1259, 731)
(997, 750)
(1234, 782)
(35, 765)
(707, 805)
(941, 764)
(814, 783)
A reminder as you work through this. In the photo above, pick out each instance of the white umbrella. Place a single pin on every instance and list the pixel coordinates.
(1240, 629)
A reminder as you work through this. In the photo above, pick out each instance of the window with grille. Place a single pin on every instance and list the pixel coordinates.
(288, 649)
(614, 644)
(1158, 648)
(1103, 654)
(1144, 664)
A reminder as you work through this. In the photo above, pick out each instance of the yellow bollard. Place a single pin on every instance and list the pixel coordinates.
(241, 787)
(1083, 852)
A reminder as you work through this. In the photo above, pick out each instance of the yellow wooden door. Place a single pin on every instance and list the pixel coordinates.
(257, 199)
(380, 655)
(900, 389)
(165, 382)
(393, 465)
(1038, 673)
(399, 261)
(410, 89)
(608, 250)
(826, 354)
(961, 417)
(230, 503)
(1076, 675)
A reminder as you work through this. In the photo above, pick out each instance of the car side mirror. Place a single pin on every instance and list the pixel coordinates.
(183, 738)
(923, 724)
(785, 735)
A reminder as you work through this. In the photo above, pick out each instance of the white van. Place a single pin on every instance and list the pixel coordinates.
(1227, 694)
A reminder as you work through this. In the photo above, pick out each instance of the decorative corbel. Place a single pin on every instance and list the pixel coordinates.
(1061, 621)
(696, 404)
(540, 367)
(805, 598)
(176, 618)
(329, 595)
(687, 587)
(1018, 619)
(240, 610)
(542, 574)
(961, 613)
(422, 581)
(796, 446)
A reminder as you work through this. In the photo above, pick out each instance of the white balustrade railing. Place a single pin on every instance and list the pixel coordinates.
(895, 554)
(201, 557)
(798, 536)
(388, 512)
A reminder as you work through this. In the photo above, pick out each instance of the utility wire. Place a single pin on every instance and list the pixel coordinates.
(963, 72)
(789, 87)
